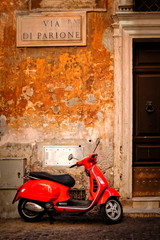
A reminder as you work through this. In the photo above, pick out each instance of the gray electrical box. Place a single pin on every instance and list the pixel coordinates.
(11, 172)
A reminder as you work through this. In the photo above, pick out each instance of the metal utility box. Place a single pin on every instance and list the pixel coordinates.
(11, 172)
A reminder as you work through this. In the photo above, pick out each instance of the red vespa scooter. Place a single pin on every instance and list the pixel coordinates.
(44, 192)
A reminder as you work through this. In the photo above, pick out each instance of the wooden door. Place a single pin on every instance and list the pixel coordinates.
(146, 120)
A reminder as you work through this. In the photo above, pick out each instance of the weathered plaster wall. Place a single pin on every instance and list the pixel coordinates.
(56, 93)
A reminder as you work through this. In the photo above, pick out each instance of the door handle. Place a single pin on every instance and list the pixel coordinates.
(149, 107)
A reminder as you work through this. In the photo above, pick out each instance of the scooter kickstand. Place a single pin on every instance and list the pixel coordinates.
(49, 209)
(50, 217)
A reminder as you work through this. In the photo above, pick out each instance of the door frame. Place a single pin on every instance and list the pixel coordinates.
(126, 27)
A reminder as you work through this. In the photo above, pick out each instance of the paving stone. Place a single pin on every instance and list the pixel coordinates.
(81, 227)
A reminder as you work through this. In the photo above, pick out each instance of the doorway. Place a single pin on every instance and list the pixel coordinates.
(146, 117)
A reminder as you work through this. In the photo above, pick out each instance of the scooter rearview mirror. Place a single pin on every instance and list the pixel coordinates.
(70, 157)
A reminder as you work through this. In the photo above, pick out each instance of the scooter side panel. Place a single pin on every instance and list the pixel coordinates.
(40, 190)
(109, 192)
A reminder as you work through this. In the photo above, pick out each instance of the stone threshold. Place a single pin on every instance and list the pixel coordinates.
(142, 207)
(146, 202)
(137, 212)
(146, 199)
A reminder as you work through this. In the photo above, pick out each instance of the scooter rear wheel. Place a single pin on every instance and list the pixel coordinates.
(112, 211)
(27, 215)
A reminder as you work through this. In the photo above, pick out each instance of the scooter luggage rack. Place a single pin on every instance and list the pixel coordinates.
(27, 176)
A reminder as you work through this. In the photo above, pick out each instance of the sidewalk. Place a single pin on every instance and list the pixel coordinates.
(81, 227)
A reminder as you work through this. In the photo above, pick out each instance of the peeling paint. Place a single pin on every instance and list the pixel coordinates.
(71, 102)
(108, 40)
(56, 109)
(2, 125)
(100, 116)
(91, 100)
(51, 92)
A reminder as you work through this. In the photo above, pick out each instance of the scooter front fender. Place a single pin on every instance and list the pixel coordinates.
(109, 192)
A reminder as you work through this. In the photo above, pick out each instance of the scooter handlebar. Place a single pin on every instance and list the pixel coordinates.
(74, 165)
(85, 161)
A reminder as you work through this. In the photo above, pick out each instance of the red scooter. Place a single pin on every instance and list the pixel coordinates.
(48, 193)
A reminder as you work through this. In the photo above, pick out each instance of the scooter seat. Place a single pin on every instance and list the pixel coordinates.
(64, 179)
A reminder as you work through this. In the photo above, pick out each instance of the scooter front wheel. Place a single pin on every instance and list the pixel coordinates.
(112, 211)
(28, 215)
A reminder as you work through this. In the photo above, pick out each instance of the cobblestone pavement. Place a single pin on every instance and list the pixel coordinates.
(81, 227)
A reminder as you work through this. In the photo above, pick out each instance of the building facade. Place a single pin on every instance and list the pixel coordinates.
(58, 97)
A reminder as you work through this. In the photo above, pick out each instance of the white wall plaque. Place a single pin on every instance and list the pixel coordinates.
(58, 155)
(51, 29)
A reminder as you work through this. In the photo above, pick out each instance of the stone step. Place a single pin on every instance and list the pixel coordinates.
(142, 207)
(146, 202)
(138, 212)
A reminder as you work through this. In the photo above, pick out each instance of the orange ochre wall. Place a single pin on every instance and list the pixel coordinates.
(52, 90)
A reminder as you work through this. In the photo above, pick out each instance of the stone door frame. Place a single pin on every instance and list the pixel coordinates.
(126, 27)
